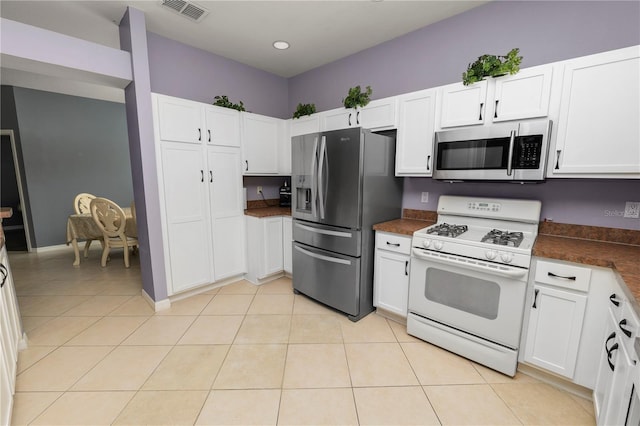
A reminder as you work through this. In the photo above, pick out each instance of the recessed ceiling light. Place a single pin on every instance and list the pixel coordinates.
(280, 44)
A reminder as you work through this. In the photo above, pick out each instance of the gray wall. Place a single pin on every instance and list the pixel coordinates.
(70, 145)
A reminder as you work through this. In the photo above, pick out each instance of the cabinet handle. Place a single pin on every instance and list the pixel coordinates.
(246, 165)
(349, 119)
(535, 299)
(210, 176)
(358, 118)
(481, 105)
(551, 274)
(558, 159)
(5, 274)
(614, 299)
(406, 266)
(209, 132)
(626, 331)
(393, 244)
(201, 175)
(495, 110)
(428, 162)
(610, 354)
(611, 336)
(199, 134)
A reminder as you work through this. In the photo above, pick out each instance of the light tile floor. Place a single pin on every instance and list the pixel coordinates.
(241, 354)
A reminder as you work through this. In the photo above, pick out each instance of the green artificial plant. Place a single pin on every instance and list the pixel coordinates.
(356, 98)
(492, 66)
(304, 109)
(223, 101)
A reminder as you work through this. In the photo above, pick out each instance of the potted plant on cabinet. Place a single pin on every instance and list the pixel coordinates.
(223, 101)
(304, 109)
(357, 98)
(492, 66)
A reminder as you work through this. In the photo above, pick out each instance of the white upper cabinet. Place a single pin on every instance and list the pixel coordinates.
(260, 144)
(223, 126)
(305, 125)
(462, 105)
(598, 130)
(523, 95)
(377, 115)
(414, 141)
(180, 120)
(511, 97)
(284, 147)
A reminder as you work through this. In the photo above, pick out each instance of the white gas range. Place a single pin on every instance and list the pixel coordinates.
(468, 277)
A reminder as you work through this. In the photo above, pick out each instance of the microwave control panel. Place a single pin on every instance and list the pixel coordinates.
(527, 152)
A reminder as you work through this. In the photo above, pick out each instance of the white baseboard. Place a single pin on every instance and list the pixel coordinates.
(160, 305)
(555, 381)
(205, 288)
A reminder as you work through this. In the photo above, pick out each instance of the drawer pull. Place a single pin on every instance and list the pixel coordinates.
(614, 299)
(626, 331)
(551, 274)
(406, 266)
(393, 244)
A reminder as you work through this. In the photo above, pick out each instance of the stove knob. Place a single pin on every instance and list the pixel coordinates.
(506, 257)
(426, 243)
(491, 254)
(438, 245)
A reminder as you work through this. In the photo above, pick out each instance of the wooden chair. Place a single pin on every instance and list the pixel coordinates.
(81, 205)
(112, 221)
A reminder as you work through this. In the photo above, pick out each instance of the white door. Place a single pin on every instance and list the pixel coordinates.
(185, 195)
(599, 124)
(223, 126)
(463, 105)
(523, 95)
(272, 249)
(414, 142)
(287, 243)
(179, 120)
(378, 114)
(340, 118)
(227, 215)
(305, 125)
(259, 144)
(391, 282)
(555, 326)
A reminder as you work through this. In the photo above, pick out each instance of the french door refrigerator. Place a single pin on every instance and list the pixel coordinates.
(343, 182)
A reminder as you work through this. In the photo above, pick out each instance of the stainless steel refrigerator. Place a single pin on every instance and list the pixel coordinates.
(343, 182)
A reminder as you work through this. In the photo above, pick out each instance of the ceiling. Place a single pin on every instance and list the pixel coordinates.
(319, 32)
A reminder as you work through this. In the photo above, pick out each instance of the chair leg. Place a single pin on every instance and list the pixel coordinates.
(126, 256)
(105, 255)
(87, 244)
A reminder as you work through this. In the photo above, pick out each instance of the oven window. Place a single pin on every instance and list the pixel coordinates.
(473, 155)
(473, 295)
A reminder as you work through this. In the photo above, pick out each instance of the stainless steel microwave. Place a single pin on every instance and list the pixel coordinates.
(515, 151)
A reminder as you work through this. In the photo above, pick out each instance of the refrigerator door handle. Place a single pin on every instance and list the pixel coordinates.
(321, 177)
(314, 179)
(323, 257)
(324, 231)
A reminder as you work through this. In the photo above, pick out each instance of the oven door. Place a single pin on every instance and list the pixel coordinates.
(472, 296)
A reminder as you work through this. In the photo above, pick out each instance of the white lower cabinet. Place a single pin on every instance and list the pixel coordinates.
(11, 338)
(391, 273)
(567, 315)
(287, 243)
(264, 247)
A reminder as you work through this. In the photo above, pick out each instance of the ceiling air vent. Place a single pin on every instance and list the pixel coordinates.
(187, 9)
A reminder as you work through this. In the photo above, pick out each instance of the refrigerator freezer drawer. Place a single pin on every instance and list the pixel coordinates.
(340, 240)
(327, 277)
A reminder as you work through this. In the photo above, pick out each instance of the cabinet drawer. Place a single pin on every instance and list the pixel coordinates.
(565, 276)
(393, 242)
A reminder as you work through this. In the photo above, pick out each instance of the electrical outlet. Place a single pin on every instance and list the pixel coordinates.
(259, 190)
(632, 209)
(425, 197)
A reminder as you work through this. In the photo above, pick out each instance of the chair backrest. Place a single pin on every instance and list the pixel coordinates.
(109, 217)
(82, 203)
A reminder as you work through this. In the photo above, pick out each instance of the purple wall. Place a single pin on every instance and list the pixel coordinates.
(438, 54)
(545, 31)
(595, 202)
(202, 75)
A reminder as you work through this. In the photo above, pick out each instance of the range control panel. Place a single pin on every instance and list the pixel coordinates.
(486, 207)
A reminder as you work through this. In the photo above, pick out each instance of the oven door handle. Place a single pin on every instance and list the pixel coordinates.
(485, 267)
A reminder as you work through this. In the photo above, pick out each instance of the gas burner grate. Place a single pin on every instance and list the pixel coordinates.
(503, 238)
(446, 230)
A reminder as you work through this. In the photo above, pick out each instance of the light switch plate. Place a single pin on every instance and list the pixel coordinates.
(425, 197)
